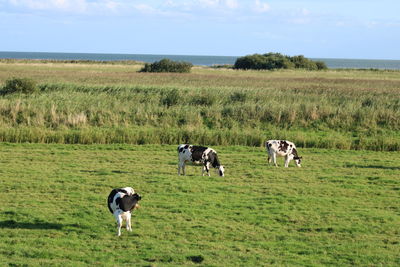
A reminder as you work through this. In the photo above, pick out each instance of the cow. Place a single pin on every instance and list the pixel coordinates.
(121, 202)
(199, 155)
(282, 148)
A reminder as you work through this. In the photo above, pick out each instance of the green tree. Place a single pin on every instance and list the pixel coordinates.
(167, 65)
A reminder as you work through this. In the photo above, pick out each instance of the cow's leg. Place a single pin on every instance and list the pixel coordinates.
(119, 222)
(128, 222)
(208, 168)
(183, 169)
(287, 160)
(181, 166)
(274, 159)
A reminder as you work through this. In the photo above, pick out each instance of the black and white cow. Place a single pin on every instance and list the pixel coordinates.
(199, 155)
(282, 148)
(121, 202)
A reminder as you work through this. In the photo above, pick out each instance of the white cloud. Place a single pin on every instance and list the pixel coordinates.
(168, 8)
(305, 12)
(144, 8)
(72, 6)
(261, 7)
(230, 4)
(64, 5)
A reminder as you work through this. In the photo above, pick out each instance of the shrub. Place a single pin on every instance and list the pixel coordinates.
(202, 100)
(263, 62)
(222, 66)
(167, 65)
(272, 61)
(238, 97)
(300, 62)
(19, 85)
(321, 65)
(170, 98)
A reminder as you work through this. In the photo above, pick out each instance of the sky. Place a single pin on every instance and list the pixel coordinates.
(313, 28)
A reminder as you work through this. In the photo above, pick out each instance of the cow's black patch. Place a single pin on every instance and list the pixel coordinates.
(182, 148)
(295, 155)
(112, 195)
(213, 159)
(283, 146)
(127, 203)
(197, 152)
(122, 190)
(110, 198)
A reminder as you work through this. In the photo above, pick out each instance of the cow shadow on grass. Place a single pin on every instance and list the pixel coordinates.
(104, 172)
(38, 225)
(394, 168)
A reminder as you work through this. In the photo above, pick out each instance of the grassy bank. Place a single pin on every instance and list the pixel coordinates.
(116, 104)
(340, 208)
(68, 61)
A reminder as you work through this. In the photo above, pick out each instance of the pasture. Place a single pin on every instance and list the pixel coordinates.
(341, 208)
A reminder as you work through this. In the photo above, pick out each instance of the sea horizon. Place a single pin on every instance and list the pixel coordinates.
(202, 60)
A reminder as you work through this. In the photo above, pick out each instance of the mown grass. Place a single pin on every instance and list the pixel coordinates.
(341, 208)
(98, 103)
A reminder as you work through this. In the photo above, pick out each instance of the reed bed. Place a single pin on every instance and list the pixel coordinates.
(333, 109)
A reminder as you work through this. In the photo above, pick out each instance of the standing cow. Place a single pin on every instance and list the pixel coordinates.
(121, 202)
(199, 155)
(282, 148)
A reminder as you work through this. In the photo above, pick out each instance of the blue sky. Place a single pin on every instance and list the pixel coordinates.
(314, 28)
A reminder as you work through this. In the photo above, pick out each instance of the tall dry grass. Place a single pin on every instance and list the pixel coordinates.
(334, 109)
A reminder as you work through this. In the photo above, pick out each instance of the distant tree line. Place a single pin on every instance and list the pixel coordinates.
(272, 61)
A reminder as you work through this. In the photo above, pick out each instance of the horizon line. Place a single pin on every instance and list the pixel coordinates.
(167, 54)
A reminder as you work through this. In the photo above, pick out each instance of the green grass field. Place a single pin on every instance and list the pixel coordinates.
(342, 208)
(93, 127)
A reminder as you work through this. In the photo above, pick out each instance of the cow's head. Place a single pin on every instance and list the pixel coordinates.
(298, 161)
(137, 196)
(221, 171)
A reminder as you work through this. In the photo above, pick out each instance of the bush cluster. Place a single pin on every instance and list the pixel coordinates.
(272, 61)
(167, 65)
(19, 85)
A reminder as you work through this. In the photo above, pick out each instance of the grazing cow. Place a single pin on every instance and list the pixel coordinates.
(121, 202)
(282, 148)
(199, 155)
